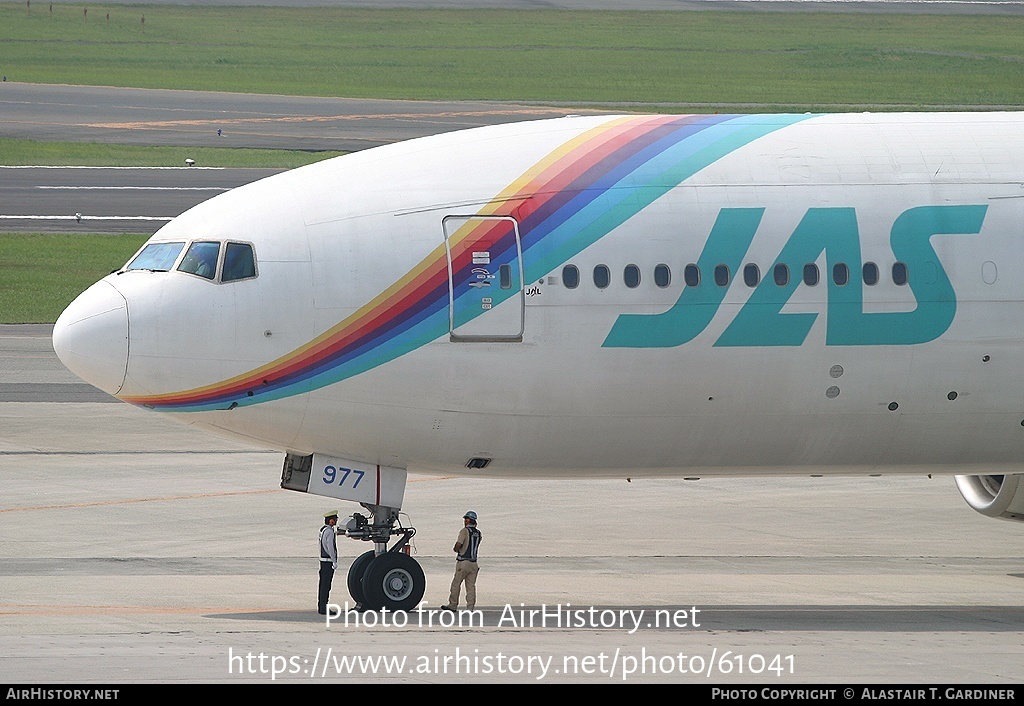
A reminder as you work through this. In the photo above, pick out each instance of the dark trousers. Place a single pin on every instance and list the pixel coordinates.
(326, 577)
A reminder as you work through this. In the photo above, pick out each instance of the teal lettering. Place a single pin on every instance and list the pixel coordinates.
(910, 239)
(760, 321)
(834, 231)
(726, 245)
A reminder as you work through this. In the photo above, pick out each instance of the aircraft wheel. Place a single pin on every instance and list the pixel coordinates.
(393, 581)
(356, 572)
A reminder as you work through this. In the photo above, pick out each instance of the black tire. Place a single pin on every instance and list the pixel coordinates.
(393, 581)
(356, 572)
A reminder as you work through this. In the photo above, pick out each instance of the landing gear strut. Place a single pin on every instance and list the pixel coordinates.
(383, 578)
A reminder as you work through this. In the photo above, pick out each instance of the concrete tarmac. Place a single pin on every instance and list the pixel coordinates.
(146, 116)
(135, 549)
(141, 200)
(108, 199)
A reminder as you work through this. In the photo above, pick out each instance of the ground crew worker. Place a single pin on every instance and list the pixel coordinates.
(328, 558)
(466, 568)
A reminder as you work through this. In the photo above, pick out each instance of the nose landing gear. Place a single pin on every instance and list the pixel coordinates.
(383, 578)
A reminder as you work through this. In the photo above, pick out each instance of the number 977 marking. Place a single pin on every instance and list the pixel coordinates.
(331, 475)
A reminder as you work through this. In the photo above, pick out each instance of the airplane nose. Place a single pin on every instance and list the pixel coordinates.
(91, 337)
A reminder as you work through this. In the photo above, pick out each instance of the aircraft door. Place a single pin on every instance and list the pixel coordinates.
(485, 278)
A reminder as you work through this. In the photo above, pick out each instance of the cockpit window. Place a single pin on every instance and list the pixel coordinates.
(159, 257)
(201, 259)
(239, 262)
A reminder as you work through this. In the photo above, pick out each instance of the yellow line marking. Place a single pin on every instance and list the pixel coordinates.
(326, 118)
(126, 501)
(65, 610)
(196, 496)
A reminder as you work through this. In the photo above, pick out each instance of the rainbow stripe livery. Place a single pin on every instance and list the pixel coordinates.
(564, 203)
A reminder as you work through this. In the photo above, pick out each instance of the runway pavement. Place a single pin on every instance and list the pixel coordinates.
(141, 200)
(137, 116)
(136, 549)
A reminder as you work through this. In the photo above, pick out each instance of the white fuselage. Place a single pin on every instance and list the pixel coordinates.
(368, 332)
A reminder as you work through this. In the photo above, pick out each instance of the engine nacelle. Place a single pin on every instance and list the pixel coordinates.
(994, 496)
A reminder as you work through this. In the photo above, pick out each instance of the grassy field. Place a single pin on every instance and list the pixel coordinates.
(800, 61)
(40, 273)
(792, 59)
(19, 152)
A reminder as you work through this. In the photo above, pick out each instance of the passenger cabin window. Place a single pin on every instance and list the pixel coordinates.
(751, 275)
(899, 273)
(570, 277)
(870, 271)
(722, 275)
(810, 274)
(691, 275)
(158, 257)
(840, 274)
(631, 276)
(505, 276)
(201, 259)
(161, 256)
(781, 275)
(662, 276)
(239, 262)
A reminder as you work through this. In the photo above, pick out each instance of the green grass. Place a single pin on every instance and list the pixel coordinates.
(793, 59)
(802, 61)
(41, 273)
(19, 152)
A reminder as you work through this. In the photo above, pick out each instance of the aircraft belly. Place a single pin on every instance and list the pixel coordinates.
(540, 409)
(737, 444)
